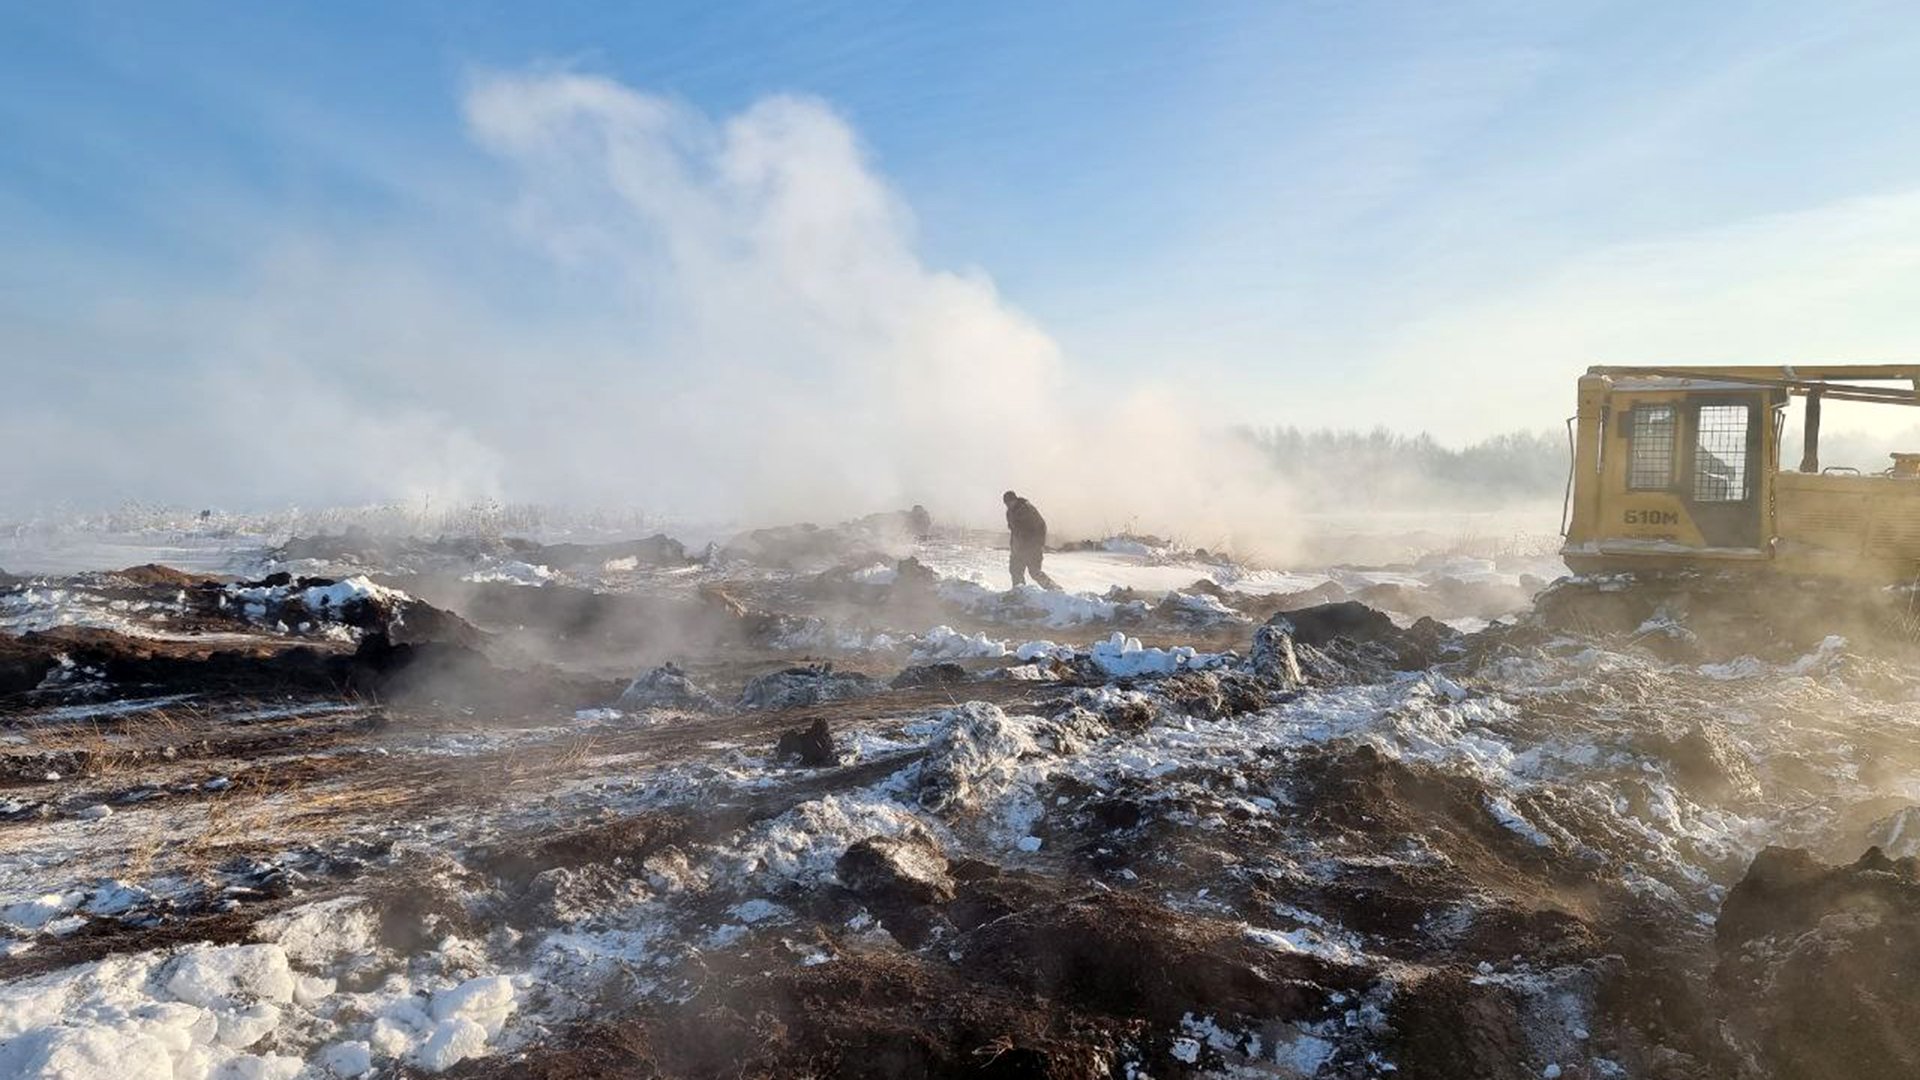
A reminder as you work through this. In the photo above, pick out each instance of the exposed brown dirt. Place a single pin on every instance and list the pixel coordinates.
(1818, 964)
(1134, 918)
(870, 1016)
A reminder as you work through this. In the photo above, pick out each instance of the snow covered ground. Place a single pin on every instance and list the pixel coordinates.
(1151, 571)
(235, 544)
(202, 882)
(1001, 785)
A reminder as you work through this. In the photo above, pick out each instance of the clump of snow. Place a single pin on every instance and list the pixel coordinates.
(231, 976)
(454, 1024)
(37, 912)
(1202, 609)
(452, 1042)
(946, 643)
(804, 843)
(1300, 1053)
(39, 608)
(974, 754)
(355, 589)
(323, 934)
(513, 572)
(1330, 943)
(755, 911)
(337, 602)
(1121, 657)
(1043, 650)
(1820, 660)
(345, 1059)
(877, 574)
(1031, 603)
(487, 1001)
(206, 1011)
(112, 898)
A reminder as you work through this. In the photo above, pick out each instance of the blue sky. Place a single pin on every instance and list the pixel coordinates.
(1317, 213)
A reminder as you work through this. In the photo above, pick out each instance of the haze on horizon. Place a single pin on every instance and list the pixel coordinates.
(784, 260)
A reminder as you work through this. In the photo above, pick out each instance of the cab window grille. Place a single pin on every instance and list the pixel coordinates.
(1720, 454)
(1650, 442)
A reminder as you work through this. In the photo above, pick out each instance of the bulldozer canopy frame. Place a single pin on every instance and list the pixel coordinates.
(1840, 382)
(1679, 467)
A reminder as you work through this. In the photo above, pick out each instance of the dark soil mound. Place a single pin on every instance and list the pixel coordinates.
(23, 665)
(454, 674)
(810, 746)
(154, 575)
(1355, 633)
(897, 869)
(862, 1016)
(666, 687)
(901, 880)
(795, 687)
(803, 547)
(1818, 964)
(918, 676)
(1116, 954)
(144, 665)
(577, 624)
(1449, 1024)
(623, 842)
(656, 550)
(1706, 764)
(356, 544)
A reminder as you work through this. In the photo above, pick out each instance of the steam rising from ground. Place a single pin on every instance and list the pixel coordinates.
(633, 304)
(789, 351)
(788, 354)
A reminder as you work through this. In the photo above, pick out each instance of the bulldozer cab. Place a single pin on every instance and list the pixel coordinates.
(1679, 469)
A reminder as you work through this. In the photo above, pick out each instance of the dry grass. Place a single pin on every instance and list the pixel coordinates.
(575, 752)
(236, 812)
(1516, 545)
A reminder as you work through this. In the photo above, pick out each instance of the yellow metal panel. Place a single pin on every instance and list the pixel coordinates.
(1865, 528)
(1625, 514)
(1895, 532)
(1614, 525)
(1823, 512)
(1860, 527)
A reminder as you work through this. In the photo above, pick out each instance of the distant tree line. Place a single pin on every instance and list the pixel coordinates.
(1345, 467)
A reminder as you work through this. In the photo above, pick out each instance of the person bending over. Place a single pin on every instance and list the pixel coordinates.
(1029, 542)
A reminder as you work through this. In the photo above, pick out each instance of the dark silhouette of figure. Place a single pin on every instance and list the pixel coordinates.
(1029, 546)
(920, 523)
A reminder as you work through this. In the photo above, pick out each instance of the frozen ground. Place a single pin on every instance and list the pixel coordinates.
(317, 830)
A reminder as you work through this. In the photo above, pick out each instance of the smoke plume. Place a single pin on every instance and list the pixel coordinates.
(638, 304)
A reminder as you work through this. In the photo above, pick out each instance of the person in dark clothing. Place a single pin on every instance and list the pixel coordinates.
(920, 523)
(1029, 542)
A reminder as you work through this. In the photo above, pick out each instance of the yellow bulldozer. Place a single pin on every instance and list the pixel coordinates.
(1678, 469)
